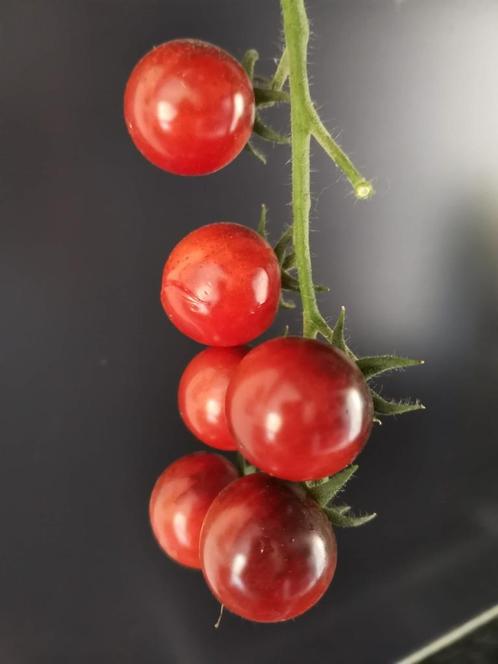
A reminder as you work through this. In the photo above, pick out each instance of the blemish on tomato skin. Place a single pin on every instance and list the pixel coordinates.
(196, 304)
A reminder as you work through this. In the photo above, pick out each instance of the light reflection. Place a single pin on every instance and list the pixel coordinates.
(273, 424)
(213, 410)
(354, 410)
(238, 566)
(166, 112)
(318, 555)
(260, 284)
(238, 110)
(180, 528)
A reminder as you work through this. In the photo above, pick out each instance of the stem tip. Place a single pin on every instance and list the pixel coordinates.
(364, 190)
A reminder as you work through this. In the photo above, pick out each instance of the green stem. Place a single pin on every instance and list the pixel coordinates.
(296, 32)
(362, 188)
(305, 122)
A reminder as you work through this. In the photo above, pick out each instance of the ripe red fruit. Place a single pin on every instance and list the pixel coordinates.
(180, 499)
(202, 391)
(299, 409)
(189, 107)
(221, 285)
(268, 552)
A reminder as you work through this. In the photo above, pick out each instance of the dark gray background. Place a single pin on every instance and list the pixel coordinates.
(89, 364)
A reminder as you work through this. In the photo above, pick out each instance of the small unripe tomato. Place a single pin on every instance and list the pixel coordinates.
(221, 285)
(180, 499)
(189, 107)
(202, 393)
(299, 409)
(268, 551)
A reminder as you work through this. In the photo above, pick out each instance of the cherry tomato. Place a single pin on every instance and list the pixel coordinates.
(202, 391)
(268, 552)
(221, 285)
(180, 499)
(189, 107)
(299, 409)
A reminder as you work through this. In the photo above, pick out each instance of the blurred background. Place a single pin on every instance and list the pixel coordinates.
(89, 364)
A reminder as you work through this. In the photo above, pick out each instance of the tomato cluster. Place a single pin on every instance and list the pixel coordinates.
(295, 408)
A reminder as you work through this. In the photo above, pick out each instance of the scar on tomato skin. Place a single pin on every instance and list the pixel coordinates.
(202, 306)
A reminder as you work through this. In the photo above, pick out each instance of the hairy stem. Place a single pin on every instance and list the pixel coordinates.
(362, 188)
(305, 122)
(296, 32)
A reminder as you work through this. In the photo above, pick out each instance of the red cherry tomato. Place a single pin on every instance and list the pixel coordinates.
(299, 409)
(268, 552)
(180, 499)
(202, 392)
(221, 285)
(189, 107)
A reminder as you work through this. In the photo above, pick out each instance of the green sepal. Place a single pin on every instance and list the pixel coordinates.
(291, 283)
(265, 96)
(338, 340)
(311, 484)
(263, 215)
(341, 517)
(280, 248)
(260, 81)
(379, 364)
(325, 491)
(384, 407)
(338, 336)
(256, 152)
(341, 509)
(249, 60)
(240, 462)
(281, 72)
(245, 468)
(269, 134)
(289, 262)
(286, 304)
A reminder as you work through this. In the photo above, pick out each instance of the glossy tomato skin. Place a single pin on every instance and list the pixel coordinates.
(268, 552)
(189, 107)
(299, 409)
(202, 394)
(221, 285)
(180, 499)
